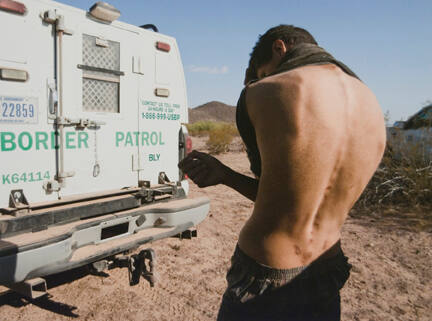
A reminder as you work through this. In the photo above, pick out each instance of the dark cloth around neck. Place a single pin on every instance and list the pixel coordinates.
(301, 55)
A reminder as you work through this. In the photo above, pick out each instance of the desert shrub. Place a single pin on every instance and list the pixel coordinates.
(202, 128)
(231, 129)
(220, 138)
(404, 178)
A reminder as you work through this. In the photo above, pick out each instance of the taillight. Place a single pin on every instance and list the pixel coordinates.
(163, 46)
(13, 6)
(188, 144)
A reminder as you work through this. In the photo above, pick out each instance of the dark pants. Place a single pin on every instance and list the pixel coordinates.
(258, 292)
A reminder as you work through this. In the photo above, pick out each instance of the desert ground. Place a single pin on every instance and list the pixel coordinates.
(391, 278)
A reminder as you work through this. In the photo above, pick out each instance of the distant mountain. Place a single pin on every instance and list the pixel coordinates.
(213, 111)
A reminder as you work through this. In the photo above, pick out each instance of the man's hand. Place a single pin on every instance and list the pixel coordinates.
(203, 169)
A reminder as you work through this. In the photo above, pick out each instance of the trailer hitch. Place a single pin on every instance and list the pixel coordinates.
(138, 267)
(188, 234)
(141, 264)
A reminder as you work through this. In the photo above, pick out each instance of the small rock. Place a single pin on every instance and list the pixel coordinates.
(400, 309)
(355, 269)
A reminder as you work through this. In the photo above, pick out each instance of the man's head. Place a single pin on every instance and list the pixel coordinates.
(272, 46)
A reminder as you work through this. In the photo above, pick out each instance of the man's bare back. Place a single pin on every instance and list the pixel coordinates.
(321, 136)
(315, 134)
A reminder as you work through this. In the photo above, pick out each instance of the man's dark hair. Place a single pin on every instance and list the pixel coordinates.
(262, 52)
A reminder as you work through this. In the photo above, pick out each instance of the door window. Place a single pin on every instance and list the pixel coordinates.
(101, 75)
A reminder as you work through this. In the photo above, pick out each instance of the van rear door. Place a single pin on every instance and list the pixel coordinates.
(100, 91)
(27, 148)
(162, 105)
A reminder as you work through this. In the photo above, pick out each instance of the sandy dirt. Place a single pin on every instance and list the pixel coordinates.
(390, 279)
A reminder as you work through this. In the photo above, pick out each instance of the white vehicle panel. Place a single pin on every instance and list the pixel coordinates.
(134, 144)
(26, 151)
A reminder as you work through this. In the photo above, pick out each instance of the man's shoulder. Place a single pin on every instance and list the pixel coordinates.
(274, 94)
(273, 84)
(274, 101)
(283, 88)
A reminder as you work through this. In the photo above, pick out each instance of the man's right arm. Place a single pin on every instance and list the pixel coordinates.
(245, 185)
(205, 170)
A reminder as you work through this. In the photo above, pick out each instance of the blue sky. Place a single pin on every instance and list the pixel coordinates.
(387, 43)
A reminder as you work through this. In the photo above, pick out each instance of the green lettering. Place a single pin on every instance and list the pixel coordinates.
(41, 138)
(70, 141)
(160, 139)
(136, 138)
(119, 138)
(15, 178)
(29, 141)
(153, 138)
(144, 138)
(82, 139)
(6, 179)
(7, 144)
(129, 140)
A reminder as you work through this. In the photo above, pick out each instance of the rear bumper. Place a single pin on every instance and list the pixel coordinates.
(63, 247)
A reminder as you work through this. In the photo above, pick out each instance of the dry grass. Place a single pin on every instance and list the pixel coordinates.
(205, 127)
(403, 180)
(200, 128)
(220, 134)
(220, 138)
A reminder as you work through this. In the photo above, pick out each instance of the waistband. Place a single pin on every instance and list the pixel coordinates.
(262, 271)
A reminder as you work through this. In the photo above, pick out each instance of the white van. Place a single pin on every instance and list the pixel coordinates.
(90, 137)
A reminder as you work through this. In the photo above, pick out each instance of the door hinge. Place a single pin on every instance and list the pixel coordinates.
(58, 20)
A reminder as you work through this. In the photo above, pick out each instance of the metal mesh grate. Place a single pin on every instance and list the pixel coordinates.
(100, 96)
(101, 57)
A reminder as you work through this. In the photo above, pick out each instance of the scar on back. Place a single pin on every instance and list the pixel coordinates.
(304, 256)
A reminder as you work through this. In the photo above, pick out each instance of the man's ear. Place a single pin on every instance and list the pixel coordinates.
(279, 47)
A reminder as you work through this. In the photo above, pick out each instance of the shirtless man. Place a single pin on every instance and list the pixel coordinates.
(320, 136)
